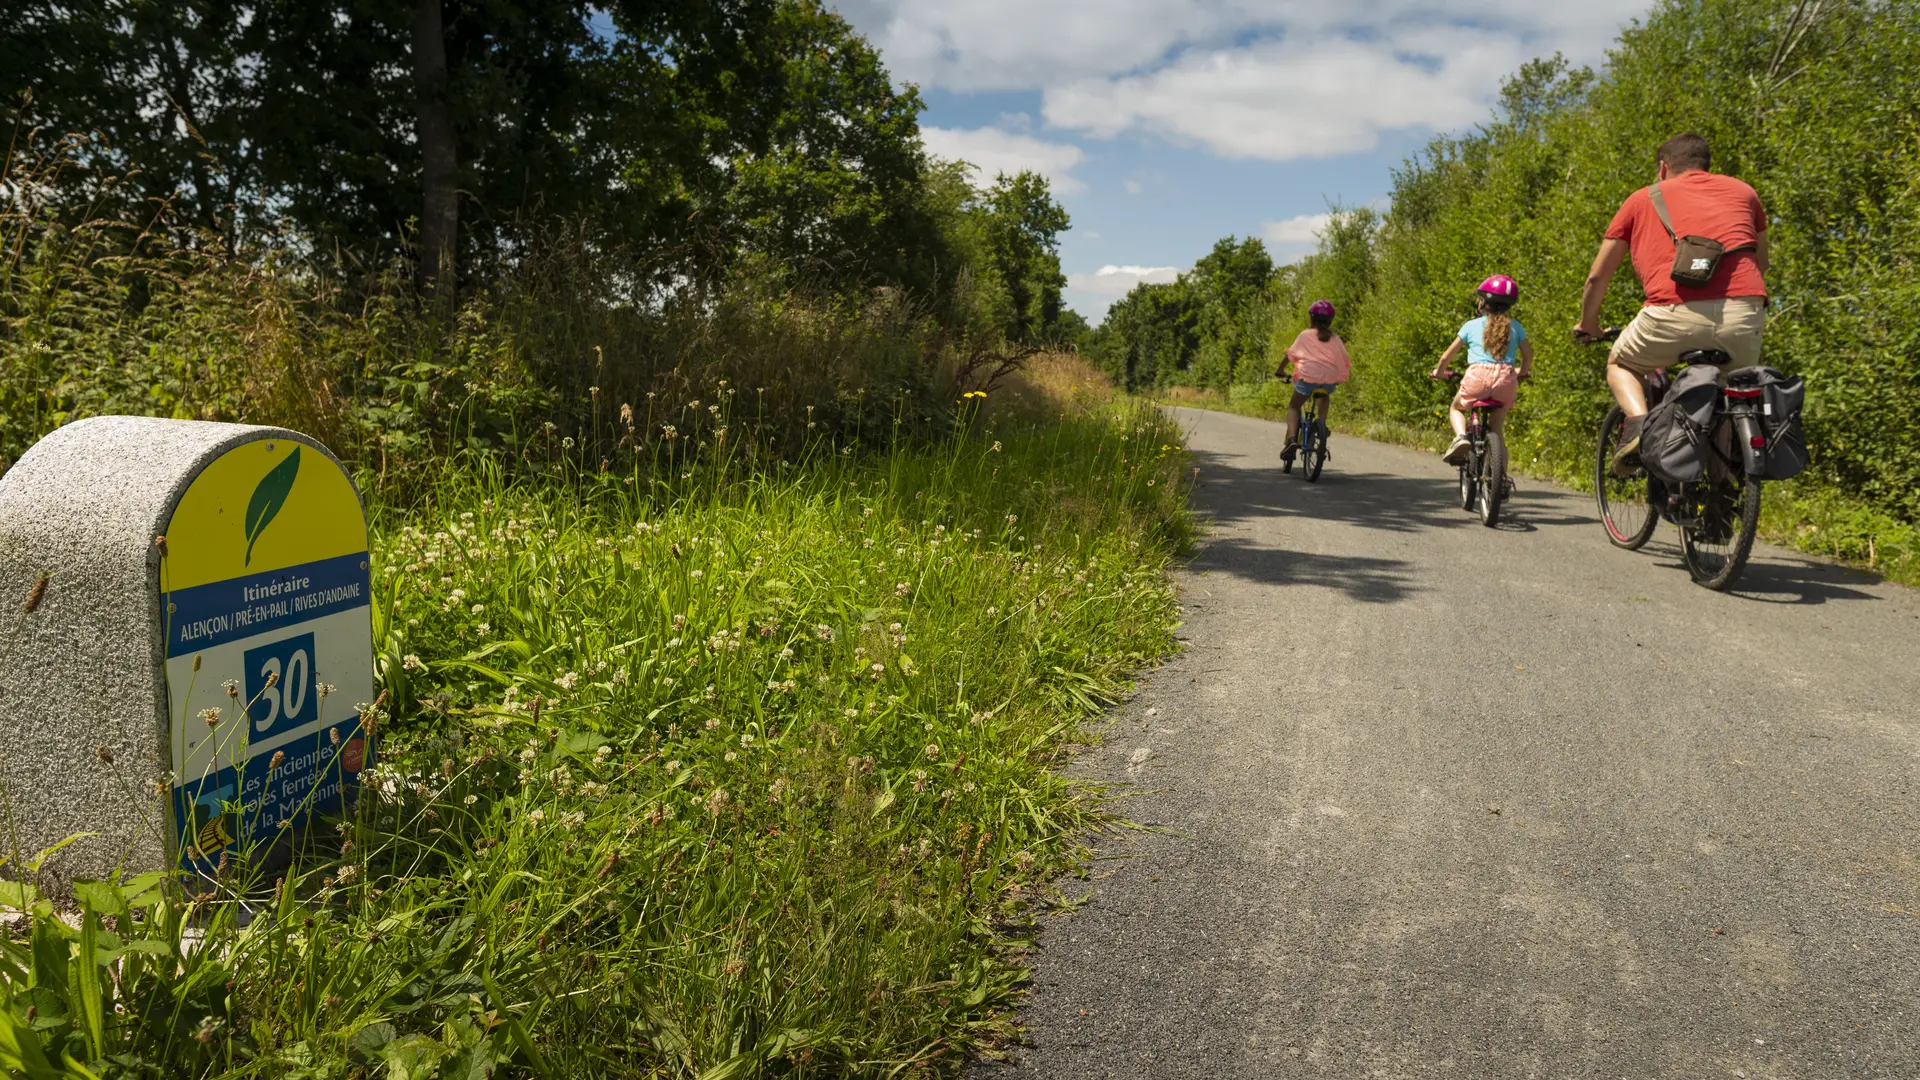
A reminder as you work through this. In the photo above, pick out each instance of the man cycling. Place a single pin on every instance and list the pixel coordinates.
(1727, 313)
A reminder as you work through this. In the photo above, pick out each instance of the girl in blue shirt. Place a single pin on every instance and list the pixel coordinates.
(1498, 357)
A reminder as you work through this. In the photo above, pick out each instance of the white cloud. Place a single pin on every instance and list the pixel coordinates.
(1284, 100)
(1271, 79)
(993, 151)
(1301, 229)
(1117, 281)
(1294, 237)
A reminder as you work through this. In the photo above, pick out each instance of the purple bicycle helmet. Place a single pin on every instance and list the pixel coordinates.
(1500, 288)
(1321, 308)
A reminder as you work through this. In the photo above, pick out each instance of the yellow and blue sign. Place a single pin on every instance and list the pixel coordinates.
(268, 613)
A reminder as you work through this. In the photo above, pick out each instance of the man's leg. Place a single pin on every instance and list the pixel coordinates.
(1655, 338)
(1628, 390)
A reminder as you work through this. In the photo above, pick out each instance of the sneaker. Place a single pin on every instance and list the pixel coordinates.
(1287, 454)
(1457, 453)
(1627, 458)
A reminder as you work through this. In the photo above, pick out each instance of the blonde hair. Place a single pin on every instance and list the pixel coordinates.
(1499, 332)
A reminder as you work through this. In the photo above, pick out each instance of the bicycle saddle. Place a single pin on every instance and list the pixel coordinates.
(1714, 357)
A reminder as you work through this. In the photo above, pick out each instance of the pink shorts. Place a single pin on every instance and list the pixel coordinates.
(1501, 382)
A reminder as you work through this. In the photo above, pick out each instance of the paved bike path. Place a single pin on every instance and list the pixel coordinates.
(1437, 800)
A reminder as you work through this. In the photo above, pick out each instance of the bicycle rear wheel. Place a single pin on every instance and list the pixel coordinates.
(1716, 547)
(1625, 506)
(1317, 458)
(1493, 479)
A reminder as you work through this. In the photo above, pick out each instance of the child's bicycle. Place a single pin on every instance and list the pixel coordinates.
(1484, 483)
(1313, 438)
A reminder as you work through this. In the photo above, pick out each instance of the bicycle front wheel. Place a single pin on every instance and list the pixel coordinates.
(1716, 546)
(1626, 509)
(1493, 479)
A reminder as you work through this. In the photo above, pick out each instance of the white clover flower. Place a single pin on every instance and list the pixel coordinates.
(412, 663)
(568, 681)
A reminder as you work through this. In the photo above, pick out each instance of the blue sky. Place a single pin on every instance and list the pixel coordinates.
(1166, 125)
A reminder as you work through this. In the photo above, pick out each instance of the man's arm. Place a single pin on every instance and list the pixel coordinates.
(1760, 252)
(1594, 292)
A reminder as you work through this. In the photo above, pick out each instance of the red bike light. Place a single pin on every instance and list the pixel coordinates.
(1757, 442)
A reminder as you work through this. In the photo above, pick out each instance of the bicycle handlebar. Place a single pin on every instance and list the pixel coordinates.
(1611, 333)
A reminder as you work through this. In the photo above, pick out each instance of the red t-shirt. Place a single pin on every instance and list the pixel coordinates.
(1701, 204)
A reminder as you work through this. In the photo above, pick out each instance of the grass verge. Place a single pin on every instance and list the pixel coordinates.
(688, 775)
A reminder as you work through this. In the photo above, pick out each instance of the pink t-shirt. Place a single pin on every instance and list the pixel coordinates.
(1316, 361)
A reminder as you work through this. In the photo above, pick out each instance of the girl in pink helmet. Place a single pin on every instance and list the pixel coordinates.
(1498, 357)
(1320, 362)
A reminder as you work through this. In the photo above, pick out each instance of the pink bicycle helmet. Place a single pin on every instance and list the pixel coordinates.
(1500, 287)
(1321, 308)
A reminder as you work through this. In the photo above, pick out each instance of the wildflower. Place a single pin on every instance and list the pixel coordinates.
(669, 432)
(823, 632)
(932, 751)
(484, 629)
(626, 414)
(411, 662)
(347, 872)
(537, 816)
(786, 654)
(471, 799)
(717, 801)
(279, 758)
(211, 716)
(731, 756)
(323, 689)
(232, 687)
(902, 589)
(568, 681)
(712, 721)
(476, 609)
(996, 446)
(672, 767)
(528, 755)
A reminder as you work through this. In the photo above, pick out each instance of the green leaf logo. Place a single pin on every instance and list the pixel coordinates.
(269, 497)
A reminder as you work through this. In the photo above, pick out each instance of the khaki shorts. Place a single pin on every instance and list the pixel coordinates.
(1658, 335)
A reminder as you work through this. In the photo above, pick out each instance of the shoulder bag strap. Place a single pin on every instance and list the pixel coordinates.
(1660, 208)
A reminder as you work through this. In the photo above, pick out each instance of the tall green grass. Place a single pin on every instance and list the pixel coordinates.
(688, 773)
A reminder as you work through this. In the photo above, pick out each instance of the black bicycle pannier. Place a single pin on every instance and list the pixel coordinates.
(1781, 400)
(1673, 440)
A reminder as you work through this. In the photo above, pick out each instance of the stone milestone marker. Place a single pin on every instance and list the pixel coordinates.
(185, 639)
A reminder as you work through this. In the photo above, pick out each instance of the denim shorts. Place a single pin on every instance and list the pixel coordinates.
(1307, 389)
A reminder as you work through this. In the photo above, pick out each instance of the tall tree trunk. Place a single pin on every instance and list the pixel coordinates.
(439, 166)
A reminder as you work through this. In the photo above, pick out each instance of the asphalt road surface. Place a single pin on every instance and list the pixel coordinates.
(1435, 800)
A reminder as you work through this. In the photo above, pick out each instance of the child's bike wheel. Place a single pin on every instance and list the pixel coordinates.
(1493, 479)
(1469, 469)
(1316, 458)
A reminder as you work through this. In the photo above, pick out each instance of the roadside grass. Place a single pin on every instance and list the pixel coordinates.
(688, 772)
(1802, 513)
